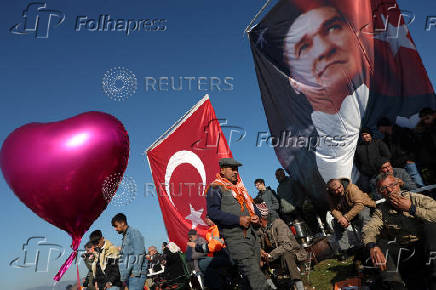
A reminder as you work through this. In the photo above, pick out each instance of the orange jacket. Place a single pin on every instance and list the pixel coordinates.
(215, 243)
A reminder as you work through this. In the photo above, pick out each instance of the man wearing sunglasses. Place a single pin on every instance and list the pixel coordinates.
(401, 236)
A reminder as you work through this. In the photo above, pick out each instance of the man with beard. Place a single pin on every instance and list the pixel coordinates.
(231, 208)
(133, 267)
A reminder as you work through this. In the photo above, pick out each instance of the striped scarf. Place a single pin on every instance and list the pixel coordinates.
(238, 190)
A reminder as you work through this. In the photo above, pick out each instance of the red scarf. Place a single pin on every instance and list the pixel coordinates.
(238, 190)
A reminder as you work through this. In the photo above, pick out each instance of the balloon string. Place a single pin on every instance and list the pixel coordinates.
(74, 245)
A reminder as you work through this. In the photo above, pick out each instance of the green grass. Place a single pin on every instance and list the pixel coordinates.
(328, 272)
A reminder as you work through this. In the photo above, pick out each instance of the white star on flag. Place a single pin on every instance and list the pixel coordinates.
(396, 36)
(195, 217)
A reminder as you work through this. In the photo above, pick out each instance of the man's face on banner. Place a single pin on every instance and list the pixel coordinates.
(323, 56)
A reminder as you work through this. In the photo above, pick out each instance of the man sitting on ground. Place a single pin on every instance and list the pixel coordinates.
(348, 205)
(405, 224)
(278, 238)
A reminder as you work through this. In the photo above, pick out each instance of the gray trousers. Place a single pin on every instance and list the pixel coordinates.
(348, 239)
(245, 252)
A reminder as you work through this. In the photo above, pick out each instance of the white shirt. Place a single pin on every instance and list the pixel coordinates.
(338, 136)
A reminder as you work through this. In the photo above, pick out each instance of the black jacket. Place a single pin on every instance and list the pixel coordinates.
(110, 274)
(368, 154)
(174, 265)
(402, 145)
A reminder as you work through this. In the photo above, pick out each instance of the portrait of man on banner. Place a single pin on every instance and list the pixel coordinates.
(315, 65)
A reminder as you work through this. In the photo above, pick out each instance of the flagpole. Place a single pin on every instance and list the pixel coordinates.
(177, 123)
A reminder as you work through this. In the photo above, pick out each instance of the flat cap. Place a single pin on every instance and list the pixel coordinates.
(229, 162)
(192, 232)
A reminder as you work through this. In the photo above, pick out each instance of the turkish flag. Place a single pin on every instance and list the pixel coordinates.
(183, 162)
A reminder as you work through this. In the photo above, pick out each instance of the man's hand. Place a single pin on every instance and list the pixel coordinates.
(402, 203)
(263, 254)
(255, 219)
(378, 258)
(343, 222)
(108, 285)
(400, 182)
(191, 244)
(245, 221)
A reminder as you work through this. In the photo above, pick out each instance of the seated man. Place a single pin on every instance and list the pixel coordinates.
(404, 179)
(348, 205)
(155, 261)
(155, 266)
(278, 237)
(404, 225)
(105, 268)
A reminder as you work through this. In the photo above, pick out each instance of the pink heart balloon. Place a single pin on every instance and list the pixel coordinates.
(59, 169)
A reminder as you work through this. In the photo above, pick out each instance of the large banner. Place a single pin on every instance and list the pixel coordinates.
(183, 162)
(325, 70)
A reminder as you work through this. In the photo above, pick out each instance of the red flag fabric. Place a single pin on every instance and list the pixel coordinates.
(183, 162)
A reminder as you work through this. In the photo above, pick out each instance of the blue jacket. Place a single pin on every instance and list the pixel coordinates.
(132, 255)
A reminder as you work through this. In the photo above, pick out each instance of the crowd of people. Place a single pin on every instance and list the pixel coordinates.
(393, 227)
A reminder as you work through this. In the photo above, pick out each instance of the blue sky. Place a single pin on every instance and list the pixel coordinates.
(52, 79)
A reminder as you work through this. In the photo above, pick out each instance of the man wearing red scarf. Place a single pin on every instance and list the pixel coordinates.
(231, 208)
